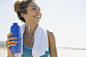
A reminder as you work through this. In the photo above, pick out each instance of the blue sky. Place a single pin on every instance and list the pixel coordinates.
(65, 18)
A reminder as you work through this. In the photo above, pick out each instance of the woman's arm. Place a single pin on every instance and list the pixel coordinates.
(10, 55)
(10, 43)
(52, 45)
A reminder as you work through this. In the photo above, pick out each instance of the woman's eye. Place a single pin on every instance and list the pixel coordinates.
(33, 8)
(39, 9)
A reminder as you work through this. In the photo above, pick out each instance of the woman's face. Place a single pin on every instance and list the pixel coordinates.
(33, 13)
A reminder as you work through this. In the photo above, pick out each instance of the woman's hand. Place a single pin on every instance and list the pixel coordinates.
(9, 41)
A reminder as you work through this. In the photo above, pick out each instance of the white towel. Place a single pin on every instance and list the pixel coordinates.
(40, 42)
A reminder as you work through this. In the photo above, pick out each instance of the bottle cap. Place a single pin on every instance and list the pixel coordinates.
(14, 23)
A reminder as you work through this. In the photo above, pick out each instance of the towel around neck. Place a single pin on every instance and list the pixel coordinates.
(40, 42)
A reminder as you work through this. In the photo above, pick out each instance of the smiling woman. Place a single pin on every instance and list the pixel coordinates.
(37, 42)
(22, 7)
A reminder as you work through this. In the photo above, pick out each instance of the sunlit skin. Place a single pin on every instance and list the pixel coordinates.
(33, 10)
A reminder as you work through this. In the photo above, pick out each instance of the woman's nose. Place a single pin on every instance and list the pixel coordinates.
(38, 11)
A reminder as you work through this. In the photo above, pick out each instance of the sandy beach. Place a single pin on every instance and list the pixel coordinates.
(61, 53)
(3, 52)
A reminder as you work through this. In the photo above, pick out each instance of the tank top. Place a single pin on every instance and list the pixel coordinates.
(27, 52)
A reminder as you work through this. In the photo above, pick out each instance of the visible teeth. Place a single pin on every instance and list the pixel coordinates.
(37, 16)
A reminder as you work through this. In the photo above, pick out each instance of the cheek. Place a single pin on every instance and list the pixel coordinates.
(31, 14)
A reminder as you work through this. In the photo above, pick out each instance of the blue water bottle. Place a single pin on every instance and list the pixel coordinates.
(15, 29)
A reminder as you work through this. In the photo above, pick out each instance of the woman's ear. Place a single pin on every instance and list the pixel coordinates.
(22, 14)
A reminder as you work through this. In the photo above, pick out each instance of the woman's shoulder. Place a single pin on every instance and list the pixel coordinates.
(52, 44)
(49, 32)
(50, 35)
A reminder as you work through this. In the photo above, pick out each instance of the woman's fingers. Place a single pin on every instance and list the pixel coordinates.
(9, 35)
(9, 41)
(12, 42)
(10, 45)
(11, 38)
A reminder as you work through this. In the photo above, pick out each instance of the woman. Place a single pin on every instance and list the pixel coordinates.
(29, 12)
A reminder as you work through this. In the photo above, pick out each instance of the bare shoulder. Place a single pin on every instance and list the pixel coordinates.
(52, 44)
(50, 35)
(51, 38)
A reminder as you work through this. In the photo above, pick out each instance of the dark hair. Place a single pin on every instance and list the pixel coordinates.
(20, 7)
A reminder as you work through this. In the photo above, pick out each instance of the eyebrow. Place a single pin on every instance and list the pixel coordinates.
(35, 6)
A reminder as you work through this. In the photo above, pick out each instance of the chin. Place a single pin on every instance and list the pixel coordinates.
(36, 21)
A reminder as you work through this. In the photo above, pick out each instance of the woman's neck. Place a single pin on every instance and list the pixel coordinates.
(32, 28)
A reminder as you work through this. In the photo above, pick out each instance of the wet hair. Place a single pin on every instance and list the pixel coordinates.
(20, 7)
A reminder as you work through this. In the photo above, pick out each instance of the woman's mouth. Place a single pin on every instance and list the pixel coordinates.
(37, 17)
